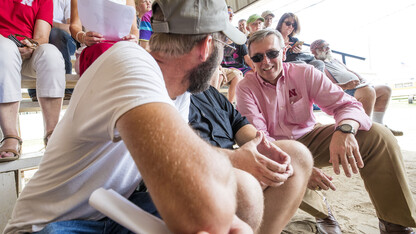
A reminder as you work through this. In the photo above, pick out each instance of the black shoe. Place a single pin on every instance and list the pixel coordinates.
(32, 94)
(386, 227)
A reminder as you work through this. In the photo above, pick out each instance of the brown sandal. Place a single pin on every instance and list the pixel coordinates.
(46, 138)
(15, 152)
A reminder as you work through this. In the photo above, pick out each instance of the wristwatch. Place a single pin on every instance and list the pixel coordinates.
(345, 128)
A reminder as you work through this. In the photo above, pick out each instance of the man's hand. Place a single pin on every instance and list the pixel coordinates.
(237, 227)
(319, 180)
(272, 170)
(344, 150)
(350, 84)
(27, 51)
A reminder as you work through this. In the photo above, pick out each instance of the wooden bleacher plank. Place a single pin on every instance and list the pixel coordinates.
(25, 161)
(30, 83)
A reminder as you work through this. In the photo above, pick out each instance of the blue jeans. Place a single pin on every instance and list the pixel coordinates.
(67, 46)
(105, 225)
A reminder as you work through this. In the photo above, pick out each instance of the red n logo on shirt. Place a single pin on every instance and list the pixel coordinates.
(292, 93)
(27, 2)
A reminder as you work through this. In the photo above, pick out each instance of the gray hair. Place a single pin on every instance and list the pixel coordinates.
(261, 34)
(175, 45)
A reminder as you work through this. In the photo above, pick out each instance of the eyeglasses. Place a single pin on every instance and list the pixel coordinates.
(290, 24)
(225, 44)
(272, 54)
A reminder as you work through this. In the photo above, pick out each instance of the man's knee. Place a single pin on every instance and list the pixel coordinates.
(250, 199)
(300, 155)
(383, 90)
(378, 138)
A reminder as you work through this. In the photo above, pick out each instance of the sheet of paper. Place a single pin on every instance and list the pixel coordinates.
(108, 18)
(124, 212)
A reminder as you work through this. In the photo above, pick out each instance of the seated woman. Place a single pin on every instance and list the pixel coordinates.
(27, 54)
(289, 26)
(94, 43)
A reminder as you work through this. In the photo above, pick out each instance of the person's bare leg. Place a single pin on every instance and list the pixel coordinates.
(232, 87)
(51, 108)
(367, 96)
(249, 199)
(383, 94)
(8, 124)
(282, 202)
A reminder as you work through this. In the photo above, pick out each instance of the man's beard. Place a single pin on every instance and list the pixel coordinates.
(199, 77)
(322, 55)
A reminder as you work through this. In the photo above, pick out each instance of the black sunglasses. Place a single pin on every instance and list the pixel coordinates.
(272, 54)
(290, 24)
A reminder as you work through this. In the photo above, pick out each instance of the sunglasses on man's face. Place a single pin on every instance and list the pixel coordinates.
(272, 54)
(290, 24)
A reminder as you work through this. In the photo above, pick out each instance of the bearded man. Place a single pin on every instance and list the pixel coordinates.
(124, 125)
(375, 98)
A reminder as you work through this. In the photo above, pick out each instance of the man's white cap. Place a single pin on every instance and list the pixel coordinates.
(196, 17)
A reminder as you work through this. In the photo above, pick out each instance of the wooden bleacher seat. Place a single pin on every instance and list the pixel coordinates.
(29, 83)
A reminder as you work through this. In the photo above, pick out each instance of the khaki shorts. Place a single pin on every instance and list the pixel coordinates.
(229, 74)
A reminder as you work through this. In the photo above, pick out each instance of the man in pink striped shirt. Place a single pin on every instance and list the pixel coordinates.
(278, 99)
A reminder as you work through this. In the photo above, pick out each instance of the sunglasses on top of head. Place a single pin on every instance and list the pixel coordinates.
(290, 24)
(272, 54)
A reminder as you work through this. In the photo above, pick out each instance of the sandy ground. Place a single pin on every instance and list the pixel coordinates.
(350, 203)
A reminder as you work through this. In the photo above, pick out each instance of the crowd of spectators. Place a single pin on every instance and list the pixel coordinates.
(149, 113)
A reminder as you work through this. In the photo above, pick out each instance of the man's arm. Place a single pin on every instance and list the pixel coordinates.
(362, 80)
(191, 183)
(245, 134)
(349, 85)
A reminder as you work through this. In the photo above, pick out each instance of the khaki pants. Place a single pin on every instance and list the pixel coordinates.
(383, 174)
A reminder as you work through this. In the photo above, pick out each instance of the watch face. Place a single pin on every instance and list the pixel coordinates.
(346, 128)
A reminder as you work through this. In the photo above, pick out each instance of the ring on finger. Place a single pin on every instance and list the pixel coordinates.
(350, 156)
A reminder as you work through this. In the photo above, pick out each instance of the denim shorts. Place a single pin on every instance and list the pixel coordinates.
(350, 91)
(105, 225)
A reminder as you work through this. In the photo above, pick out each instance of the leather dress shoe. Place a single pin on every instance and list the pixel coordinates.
(386, 227)
(328, 225)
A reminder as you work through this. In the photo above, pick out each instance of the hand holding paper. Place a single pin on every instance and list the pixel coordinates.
(112, 20)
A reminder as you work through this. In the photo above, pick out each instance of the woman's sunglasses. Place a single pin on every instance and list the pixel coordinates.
(290, 24)
(272, 54)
